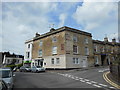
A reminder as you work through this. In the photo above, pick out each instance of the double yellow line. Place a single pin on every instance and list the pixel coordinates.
(109, 81)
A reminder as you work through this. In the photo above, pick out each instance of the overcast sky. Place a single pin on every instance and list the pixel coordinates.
(21, 20)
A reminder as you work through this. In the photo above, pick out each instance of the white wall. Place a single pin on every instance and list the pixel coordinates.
(28, 50)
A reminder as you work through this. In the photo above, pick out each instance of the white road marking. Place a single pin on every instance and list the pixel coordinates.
(88, 83)
(103, 85)
(93, 82)
(82, 80)
(96, 85)
(112, 87)
(86, 80)
(99, 85)
(76, 79)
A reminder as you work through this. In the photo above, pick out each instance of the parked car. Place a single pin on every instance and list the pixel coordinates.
(3, 85)
(37, 69)
(7, 76)
(25, 69)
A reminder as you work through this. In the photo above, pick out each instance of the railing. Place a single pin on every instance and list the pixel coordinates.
(115, 71)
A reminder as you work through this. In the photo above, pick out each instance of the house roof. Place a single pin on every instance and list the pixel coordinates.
(54, 31)
(108, 43)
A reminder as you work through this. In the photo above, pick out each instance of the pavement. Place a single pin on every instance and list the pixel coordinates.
(78, 78)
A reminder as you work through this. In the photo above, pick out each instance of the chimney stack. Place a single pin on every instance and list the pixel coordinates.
(106, 39)
(37, 34)
(113, 40)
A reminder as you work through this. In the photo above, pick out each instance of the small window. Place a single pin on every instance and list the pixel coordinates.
(40, 52)
(52, 61)
(41, 42)
(54, 39)
(57, 61)
(28, 45)
(86, 40)
(75, 49)
(54, 50)
(75, 38)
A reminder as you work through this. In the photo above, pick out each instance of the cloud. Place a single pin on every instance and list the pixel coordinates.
(62, 18)
(92, 15)
(21, 21)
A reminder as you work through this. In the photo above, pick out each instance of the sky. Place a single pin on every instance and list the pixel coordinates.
(21, 20)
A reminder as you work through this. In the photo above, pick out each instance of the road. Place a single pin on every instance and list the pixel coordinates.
(92, 78)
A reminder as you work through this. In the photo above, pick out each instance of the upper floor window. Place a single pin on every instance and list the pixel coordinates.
(54, 50)
(40, 52)
(28, 45)
(75, 38)
(95, 48)
(27, 54)
(75, 49)
(54, 39)
(86, 51)
(41, 42)
(86, 40)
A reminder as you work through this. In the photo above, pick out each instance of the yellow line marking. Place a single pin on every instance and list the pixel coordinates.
(110, 82)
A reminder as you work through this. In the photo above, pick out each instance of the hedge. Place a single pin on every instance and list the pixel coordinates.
(13, 66)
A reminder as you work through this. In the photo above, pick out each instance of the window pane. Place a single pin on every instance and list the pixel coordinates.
(40, 52)
(54, 50)
(57, 60)
(41, 43)
(75, 38)
(74, 60)
(86, 51)
(52, 61)
(75, 49)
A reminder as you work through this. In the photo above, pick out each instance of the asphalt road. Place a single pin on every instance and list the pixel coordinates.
(92, 78)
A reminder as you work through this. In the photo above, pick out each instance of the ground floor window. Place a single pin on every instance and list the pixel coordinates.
(52, 61)
(57, 61)
(76, 60)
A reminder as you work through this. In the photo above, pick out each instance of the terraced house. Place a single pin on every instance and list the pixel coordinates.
(105, 52)
(62, 48)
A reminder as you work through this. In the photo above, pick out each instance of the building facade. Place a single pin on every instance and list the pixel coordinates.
(11, 59)
(63, 48)
(105, 52)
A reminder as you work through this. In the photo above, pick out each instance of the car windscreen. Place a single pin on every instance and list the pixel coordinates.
(5, 73)
(38, 66)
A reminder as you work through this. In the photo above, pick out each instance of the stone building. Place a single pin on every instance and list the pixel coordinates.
(67, 48)
(10, 59)
(105, 51)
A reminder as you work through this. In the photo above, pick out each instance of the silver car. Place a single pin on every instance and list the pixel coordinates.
(7, 75)
(37, 69)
